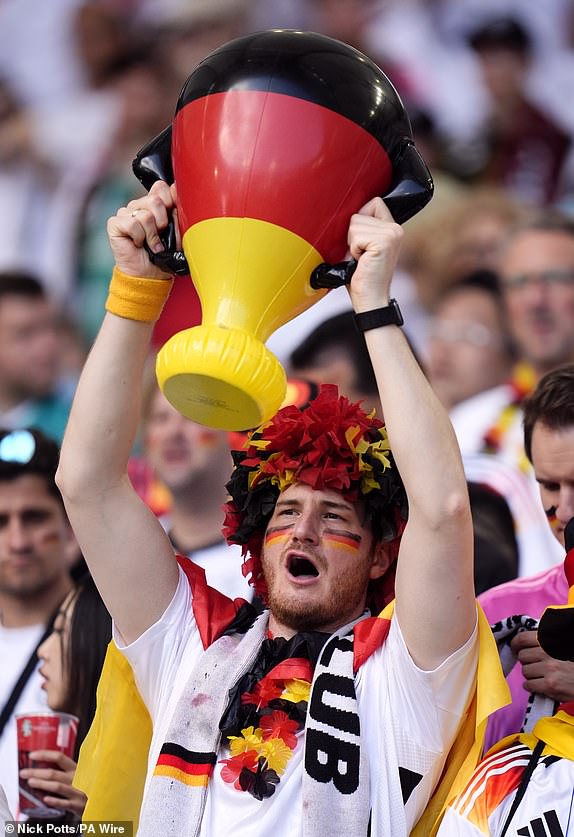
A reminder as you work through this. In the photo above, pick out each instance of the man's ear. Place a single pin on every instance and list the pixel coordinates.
(380, 561)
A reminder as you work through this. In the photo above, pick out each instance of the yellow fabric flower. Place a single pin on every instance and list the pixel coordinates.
(250, 739)
(276, 753)
(296, 691)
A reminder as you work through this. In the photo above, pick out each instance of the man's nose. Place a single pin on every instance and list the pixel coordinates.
(18, 536)
(565, 508)
(306, 528)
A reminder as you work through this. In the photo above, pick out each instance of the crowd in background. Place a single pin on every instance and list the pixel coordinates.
(486, 277)
(86, 83)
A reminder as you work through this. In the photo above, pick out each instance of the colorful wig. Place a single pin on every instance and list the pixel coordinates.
(331, 444)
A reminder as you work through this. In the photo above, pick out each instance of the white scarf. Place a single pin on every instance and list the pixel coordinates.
(336, 774)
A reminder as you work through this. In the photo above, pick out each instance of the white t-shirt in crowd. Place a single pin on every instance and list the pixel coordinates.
(16, 646)
(222, 563)
(5, 813)
(408, 719)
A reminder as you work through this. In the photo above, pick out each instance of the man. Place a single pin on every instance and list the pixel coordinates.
(549, 445)
(536, 269)
(29, 358)
(37, 548)
(523, 148)
(320, 531)
(469, 348)
(193, 462)
(525, 784)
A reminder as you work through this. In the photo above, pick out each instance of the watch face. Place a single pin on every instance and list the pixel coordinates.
(398, 317)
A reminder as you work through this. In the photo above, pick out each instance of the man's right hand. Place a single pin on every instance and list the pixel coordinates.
(542, 674)
(140, 221)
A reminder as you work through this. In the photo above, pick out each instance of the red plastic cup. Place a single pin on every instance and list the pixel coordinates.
(42, 731)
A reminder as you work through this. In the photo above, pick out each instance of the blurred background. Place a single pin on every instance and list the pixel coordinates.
(84, 83)
(487, 84)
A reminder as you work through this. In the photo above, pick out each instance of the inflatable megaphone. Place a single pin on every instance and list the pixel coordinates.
(278, 138)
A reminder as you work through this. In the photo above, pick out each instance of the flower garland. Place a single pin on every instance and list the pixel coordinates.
(277, 708)
(331, 444)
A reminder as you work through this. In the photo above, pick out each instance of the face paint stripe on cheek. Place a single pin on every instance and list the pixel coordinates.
(551, 515)
(347, 540)
(277, 534)
(50, 537)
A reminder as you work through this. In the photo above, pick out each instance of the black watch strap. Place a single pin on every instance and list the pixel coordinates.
(388, 315)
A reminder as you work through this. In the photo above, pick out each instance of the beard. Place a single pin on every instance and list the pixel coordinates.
(343, 601)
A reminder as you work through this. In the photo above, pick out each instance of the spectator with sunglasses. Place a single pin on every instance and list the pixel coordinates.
(37, 550)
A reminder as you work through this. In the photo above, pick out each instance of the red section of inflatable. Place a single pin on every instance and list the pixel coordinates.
(182, 310)
(276, 158)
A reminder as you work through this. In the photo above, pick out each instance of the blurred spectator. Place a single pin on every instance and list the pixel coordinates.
(469, 348)
(188, 30)
(323, 344)
(536, 268)
(335, 352)
(71, 660)
(137, 84)
(194, 463)
(27, 180)
(5, 814)
(32, 392)
(37, 548)
(36, 50)
(535, 545)
(495, 544)
(519, 147)
(464, 234)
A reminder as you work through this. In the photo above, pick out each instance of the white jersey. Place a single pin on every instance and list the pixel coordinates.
(408, 717)
(483, 807)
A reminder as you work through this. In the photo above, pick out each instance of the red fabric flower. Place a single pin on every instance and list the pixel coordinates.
(231, 771)
(279, 725)
(265, 691)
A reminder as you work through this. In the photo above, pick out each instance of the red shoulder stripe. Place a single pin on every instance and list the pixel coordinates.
(213, 611)
(369, 634)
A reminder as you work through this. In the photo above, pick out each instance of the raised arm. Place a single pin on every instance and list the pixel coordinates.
(435, 601)
(125, 547)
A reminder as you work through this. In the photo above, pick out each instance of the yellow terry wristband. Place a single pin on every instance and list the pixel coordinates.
(135, 298)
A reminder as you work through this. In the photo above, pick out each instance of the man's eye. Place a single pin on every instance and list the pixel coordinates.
(550, 486)
(333, 516)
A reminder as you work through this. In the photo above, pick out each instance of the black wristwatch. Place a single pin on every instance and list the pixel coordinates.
(388, 315)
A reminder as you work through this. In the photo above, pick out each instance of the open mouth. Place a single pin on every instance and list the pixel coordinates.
(300, 567)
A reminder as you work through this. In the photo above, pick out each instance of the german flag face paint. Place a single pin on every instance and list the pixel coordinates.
(551, 515)
(346, 540)
(318, 560)
(349, 541)
(277, 535)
